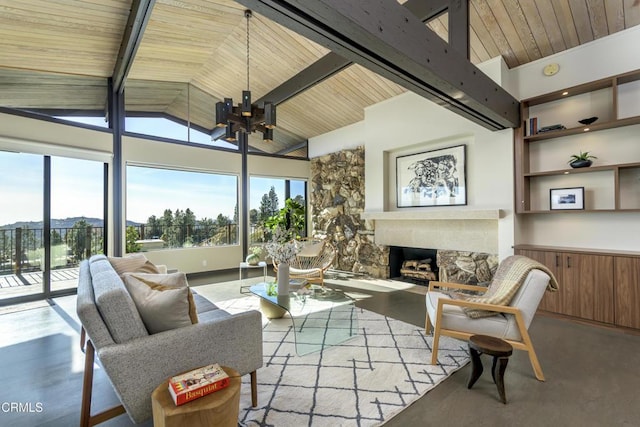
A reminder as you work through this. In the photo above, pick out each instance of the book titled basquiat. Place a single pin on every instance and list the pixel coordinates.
(197, 383)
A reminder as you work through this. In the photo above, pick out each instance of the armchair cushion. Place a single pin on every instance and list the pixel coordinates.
(454, 318)
(164, 301)
(510, 275)
(500, 325)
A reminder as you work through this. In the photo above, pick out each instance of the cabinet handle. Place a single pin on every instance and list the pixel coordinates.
(568, 262)
(557, 260)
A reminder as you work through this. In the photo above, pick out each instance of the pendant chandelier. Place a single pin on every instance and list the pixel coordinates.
(246, 117)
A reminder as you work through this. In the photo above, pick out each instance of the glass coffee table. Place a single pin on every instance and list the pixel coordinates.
(322, 317)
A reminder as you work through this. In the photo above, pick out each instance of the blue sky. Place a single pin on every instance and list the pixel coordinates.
(76, 187)
(77, 190)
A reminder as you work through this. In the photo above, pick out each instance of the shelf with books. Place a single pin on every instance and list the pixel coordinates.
(607, 105)
(628, 121)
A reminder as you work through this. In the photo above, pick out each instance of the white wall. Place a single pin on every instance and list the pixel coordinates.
(65, 140)
(410, 124)
(601, 58)
(344, 138)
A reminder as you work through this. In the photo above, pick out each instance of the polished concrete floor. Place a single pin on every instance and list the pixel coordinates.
(593, 375)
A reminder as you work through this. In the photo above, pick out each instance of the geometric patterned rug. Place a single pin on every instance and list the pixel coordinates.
(363, 381)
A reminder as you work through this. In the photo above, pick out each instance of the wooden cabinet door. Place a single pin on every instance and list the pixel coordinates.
(627, 294)
(588, 287)
(551, 301)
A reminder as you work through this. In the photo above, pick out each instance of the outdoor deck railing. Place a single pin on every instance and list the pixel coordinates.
(22, 248)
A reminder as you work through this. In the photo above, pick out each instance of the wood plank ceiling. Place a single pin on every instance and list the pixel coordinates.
(202, 43)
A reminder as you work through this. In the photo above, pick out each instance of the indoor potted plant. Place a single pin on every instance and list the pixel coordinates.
(581, 160)
(254, 256)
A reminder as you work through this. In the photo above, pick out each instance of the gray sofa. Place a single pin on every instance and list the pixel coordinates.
(135, 361)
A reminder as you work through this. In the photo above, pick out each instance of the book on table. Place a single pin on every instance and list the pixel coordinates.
(197, 383)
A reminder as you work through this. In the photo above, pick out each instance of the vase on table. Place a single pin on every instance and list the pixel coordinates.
(283, 278)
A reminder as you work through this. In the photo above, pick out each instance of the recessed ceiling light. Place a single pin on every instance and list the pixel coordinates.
(565, 93)
(586, 129)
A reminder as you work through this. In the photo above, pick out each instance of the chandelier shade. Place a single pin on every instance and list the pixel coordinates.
(246, 117)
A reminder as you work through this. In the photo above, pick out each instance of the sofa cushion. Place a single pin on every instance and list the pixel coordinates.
(202, 304)
(114, 303)
(164, 301)
(134, 263)
(454, 318)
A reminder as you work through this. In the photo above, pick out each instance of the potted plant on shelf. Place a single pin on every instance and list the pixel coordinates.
(254, 257)
(582, 160)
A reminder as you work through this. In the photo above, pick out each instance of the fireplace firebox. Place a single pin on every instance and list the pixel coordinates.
(413, 265)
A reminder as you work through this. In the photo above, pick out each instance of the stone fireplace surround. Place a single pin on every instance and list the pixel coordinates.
(473, 268)
(363, 239)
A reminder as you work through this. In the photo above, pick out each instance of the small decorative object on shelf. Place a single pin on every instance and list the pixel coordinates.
(197, 383)
(566, 198)
(588, 121)
(582, 160)
(533, 125)
(551, 128)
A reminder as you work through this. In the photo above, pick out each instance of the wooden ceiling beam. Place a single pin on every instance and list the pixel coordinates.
(459, 27)
(323, 68)
(388, 39)
(136, 24)
(290, 149)
(332, 63)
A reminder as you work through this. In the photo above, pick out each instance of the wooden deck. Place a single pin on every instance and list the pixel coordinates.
(35, 278)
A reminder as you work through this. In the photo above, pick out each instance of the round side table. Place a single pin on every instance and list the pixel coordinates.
(219, 408)
(496, 347)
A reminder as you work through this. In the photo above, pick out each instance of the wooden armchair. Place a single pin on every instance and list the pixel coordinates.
(315, 257)
(448, 318)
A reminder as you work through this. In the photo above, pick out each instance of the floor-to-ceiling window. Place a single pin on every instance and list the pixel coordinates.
(77, 217)
(21, 224)
(52, 217)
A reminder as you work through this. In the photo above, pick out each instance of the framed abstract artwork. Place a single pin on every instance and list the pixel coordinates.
(432, 178)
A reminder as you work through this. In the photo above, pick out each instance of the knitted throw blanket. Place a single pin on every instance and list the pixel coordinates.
(510, 274)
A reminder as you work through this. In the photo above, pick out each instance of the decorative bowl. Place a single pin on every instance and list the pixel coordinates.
(588, 121)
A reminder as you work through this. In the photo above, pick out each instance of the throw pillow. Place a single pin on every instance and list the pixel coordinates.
(136, 263)
(164, 301)
(311, 249)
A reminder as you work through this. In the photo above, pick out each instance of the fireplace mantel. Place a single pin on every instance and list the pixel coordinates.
(449, 215)
(474, 230)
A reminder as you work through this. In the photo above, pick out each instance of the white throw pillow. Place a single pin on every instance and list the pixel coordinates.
(134, 263)
(164, 301)
(311, 249)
